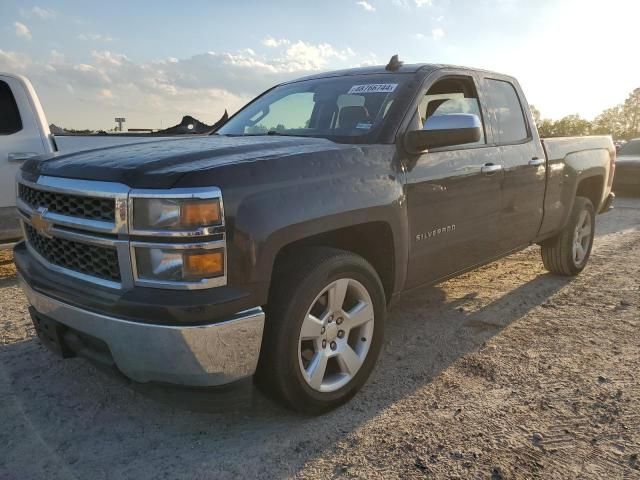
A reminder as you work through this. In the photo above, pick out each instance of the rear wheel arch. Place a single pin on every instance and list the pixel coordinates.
(591, 187)
(559, 253)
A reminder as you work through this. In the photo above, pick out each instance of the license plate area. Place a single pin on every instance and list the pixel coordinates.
(51, 333)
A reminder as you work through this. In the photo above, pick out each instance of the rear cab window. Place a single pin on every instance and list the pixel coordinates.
(505, 108)
(10, 121)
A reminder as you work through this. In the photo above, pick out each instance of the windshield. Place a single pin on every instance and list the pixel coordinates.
(631, 148)
(336, 108)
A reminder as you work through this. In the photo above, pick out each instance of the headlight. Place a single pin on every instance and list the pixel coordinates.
(175, 214)
(179, 238)
(179, 265)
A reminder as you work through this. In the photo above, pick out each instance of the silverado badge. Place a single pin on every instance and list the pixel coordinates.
(435, 232)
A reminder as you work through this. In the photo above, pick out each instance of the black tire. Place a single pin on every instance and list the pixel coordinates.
(299, 279)
(557, 252)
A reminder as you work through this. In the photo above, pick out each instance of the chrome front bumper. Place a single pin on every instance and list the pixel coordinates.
(204, 355)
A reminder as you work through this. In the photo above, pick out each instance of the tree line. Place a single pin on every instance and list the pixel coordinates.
(622, 122)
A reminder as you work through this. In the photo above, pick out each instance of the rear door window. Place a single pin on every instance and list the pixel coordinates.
(9, 115)
(511, 126)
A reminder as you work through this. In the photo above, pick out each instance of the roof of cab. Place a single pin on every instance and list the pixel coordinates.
(371, 70)
(381, 69)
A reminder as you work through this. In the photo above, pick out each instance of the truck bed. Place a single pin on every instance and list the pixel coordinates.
(567, 159)
(558, 148)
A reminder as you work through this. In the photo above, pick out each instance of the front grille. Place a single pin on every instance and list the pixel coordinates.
(92, 208)
(94, 260)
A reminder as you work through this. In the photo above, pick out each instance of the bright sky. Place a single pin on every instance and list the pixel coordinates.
(153, 62)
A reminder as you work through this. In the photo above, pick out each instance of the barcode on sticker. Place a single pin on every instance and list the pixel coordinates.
(373, 88)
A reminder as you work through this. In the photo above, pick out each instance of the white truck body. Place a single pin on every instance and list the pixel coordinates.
(24, 133)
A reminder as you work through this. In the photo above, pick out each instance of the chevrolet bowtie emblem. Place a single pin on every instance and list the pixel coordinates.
(41, 224)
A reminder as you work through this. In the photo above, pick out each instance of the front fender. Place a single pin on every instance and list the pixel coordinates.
(328, 194)
(269, 220)
(270, 203)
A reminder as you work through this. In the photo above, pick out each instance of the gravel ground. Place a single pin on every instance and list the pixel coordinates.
(505, 372)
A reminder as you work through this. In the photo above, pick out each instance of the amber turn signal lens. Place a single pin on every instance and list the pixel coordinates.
(203, 265)
(200, 214)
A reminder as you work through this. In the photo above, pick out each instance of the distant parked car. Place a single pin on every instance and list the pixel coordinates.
(627, 178)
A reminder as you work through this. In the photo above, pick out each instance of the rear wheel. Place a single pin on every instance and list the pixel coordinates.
(324, 330)
(568, 252)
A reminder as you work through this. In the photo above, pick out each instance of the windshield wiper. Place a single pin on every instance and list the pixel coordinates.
(270, 133)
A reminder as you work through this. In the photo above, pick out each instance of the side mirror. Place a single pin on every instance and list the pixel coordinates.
(444, 131)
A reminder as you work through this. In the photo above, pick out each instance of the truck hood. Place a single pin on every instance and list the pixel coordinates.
(161, 164)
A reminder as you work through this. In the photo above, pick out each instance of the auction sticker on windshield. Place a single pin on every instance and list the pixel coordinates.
(373, 88)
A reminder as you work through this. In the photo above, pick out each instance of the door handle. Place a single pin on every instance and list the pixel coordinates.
(536, 162)
(21, 156)
(490, 168)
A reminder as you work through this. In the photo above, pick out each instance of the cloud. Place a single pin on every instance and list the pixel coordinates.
(437, 33)
(95, 37)
(401, 3)
(408, 4)
(366, 5)
(22, 30)
(56, 57)
(273, 42)
(105, 93)
(302, 56)
(88, 93)
(13, 62)
(370, 61)
(43, 13)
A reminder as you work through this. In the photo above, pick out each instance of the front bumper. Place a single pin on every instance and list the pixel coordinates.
(202, 355)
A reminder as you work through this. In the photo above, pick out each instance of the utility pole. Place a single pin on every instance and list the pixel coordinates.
(120, 121)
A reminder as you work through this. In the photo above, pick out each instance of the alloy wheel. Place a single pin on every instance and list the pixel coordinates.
(582, 237)
(336, 335)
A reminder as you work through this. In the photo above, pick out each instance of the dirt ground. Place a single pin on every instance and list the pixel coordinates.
(505, 372)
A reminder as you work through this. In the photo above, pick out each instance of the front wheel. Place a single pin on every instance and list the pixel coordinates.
(568, 252)
(323, 331)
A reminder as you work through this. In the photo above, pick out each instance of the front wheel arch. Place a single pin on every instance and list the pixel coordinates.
(296, 286)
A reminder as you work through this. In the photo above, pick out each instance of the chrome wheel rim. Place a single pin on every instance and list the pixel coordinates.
(582, 237)
(336, 334)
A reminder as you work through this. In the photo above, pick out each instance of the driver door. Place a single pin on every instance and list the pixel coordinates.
(454, 193)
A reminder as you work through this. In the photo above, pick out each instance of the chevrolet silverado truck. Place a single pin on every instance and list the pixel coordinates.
(24, 134)
(273, 247)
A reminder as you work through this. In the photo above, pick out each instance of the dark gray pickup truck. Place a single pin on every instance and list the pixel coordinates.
(273, 247)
